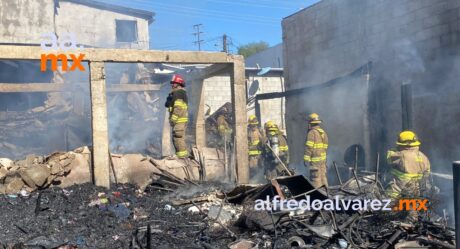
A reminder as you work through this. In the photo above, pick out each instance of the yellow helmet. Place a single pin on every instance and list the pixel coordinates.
(408, 138)
(314, 119)
(270, 126)
(252, 120)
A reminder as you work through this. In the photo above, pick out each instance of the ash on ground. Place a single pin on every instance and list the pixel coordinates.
(85, 216)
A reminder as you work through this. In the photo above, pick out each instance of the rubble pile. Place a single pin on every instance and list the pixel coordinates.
(41, 129)
(33, 172)
(169, 205)
(339, 228)
(64, 169)
(179, 213)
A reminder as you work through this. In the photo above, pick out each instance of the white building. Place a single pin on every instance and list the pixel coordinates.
(95, 24)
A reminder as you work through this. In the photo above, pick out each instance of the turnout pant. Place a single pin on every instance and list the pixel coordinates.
(318, 174)
(178, 131)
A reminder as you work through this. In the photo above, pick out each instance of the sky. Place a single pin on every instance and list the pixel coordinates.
(243, 21)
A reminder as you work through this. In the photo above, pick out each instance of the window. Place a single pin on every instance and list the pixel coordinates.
(126, 31)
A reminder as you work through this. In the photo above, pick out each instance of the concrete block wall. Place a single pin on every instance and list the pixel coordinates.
(416, 41)
(271, 109)
(217, 92)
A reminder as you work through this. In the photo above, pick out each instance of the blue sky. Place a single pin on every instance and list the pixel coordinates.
(243, 21)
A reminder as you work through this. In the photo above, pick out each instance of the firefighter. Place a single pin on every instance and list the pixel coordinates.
(409, 167)
(256, 141)
(178, 114)
(223, 126)
(277, 152)
(316, 151)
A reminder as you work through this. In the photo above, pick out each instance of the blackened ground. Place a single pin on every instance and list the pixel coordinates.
(54, 217)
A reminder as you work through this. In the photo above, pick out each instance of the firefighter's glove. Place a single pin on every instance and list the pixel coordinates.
(168, 102)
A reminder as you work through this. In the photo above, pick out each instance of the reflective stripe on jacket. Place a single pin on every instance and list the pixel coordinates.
(316, 145)
(178, 109)
(408, 163)
(222, 126)
(255, 139)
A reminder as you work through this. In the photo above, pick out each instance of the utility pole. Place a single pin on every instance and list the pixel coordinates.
(224, 44)
(197, 34)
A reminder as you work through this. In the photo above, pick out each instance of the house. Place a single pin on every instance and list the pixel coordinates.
(95, 24)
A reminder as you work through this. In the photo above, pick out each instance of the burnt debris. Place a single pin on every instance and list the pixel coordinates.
(174, 212)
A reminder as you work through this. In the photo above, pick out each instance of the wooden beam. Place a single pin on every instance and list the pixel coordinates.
(240, 117)
(121, 55)
(132, 87)
(100, 156)
(33, 87)
(55, 87)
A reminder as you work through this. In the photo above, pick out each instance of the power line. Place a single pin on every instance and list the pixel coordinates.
(250, 4)
(197, 34)
(221, 17)
(207, 11)
(216, 15)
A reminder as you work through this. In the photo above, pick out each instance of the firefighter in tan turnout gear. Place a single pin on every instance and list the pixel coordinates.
(277, 152)
(177, 105)
(256, 143)
(223, 127)
(410, 168)
(316, 151)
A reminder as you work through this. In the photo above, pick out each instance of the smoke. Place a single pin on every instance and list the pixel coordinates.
(135, 119)
(39, 122)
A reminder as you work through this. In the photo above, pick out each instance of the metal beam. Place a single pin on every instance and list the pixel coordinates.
(456, 187)
(121, 55)
(55, 87)
(238, 88)
(101, 163)
(293, 92)
(406, 106)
